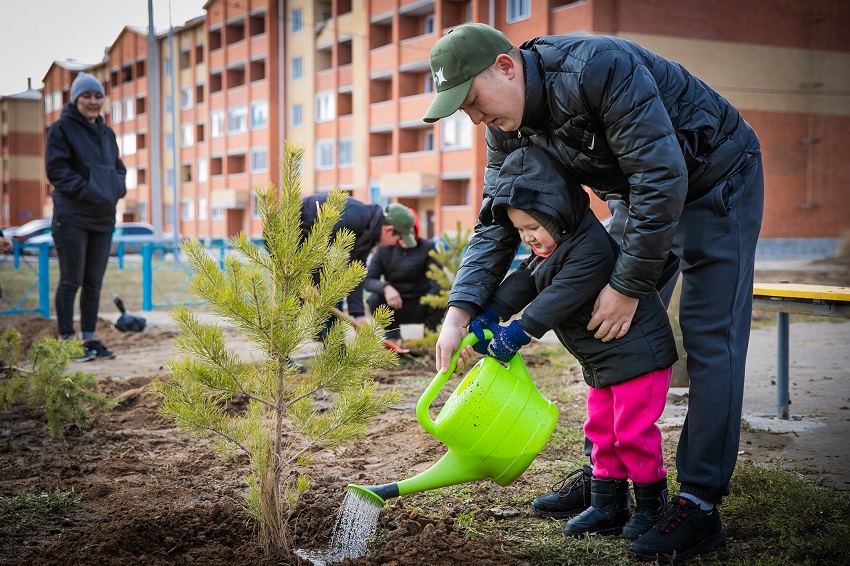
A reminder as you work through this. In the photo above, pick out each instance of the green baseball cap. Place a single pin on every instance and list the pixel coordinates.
(455, 60)
(402, 220)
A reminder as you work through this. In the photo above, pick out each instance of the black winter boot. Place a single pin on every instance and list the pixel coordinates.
(609, 509)
(650, 499)
(569, 496)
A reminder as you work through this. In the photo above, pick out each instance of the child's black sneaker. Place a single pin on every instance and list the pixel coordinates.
(684, 530)
(569, 497)
(99, 349)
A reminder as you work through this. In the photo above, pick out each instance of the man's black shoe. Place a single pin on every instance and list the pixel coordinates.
(684, 530)
(569, 497)
(99, 349)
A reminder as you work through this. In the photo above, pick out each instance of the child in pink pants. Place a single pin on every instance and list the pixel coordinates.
(572, 258)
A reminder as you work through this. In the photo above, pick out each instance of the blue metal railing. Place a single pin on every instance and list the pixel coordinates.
(157, 258)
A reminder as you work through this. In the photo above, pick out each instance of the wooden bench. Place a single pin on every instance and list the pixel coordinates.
(787, 298)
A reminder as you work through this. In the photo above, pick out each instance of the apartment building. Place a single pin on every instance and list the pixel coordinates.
(349, 80)
(21, 165)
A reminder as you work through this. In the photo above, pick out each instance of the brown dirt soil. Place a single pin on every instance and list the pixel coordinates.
(153, 494)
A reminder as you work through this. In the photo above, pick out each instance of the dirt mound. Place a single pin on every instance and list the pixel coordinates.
(33, 328)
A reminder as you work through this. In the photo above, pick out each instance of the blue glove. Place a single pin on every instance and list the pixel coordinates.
(488, 319)
(506, 342)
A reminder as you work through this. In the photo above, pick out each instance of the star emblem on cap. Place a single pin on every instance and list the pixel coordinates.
(438, 77)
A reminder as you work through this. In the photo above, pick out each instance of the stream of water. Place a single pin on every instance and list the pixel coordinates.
(354, 527)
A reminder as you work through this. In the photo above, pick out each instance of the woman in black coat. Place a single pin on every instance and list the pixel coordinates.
(88, 178)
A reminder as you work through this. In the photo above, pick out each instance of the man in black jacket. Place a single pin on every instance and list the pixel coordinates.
(372, 226)
(634, 126)
(397, 277)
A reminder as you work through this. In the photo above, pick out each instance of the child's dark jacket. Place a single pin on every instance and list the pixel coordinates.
(558, 291)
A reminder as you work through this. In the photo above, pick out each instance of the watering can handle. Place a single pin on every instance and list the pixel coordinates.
(439, 380)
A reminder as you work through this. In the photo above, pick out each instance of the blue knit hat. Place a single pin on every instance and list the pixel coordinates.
(84, 83)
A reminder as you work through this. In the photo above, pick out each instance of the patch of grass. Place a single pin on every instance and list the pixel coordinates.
(777, 513)
(28, 509)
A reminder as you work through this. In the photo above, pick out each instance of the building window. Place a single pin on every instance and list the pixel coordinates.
(345, 152)
(185, 98)
(187, 135)
(129, 108)
(57, 99)
(325, 110)
(131, 179)
(217, 123)
(186, 209)
(217, 213)
(296, 20)
(519, 10)
(186, 172)
(259, 114)
(324, 154)
(237, 120)
(457, 132)
(203, 170)
(116, 112)
(259, 160)
(428, 24)
(428, 141)
(128, 144)
(297, 68)
(297, 115)
(428, 87)
(202, 207)
(48, 104)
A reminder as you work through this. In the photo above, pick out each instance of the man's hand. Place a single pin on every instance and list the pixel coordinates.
(392, 297)
(612, 314)
(453, 330)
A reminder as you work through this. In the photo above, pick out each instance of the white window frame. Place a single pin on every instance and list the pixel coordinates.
(187, 209)
(296, 20)
(324, 154)
(216, 123)
(129, 108)
(345, 152)
(259, 114)
(116, 112)
(128, 143)
(57, 99)
(202, 208)
(297, 118)
(428, 24)
(517, 10)
(456, 132)
(237, 119)
(187, 135)
(259, 159)
(131, 179)
(325, 106)
(186, 97)
(297, 72)
(216, 212)
(203, 170)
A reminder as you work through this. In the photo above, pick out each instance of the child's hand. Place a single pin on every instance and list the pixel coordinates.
(488, 319)
(506, 342)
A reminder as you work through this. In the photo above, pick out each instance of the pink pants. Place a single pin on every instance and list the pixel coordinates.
(621, 424)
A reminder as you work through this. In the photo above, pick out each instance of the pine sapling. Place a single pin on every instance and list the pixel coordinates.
(268, 294)
(44, 381)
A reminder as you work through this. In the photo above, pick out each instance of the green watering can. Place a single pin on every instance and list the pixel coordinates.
(494, 424)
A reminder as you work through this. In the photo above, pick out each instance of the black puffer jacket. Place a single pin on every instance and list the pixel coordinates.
(87, 175)
(364, 220)
(402, 268)
(558, 291)
(628, 124)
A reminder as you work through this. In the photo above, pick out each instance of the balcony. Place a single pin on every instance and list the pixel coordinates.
(408, 184)
(230, 198)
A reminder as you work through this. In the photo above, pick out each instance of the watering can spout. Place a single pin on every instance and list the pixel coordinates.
(376, 493)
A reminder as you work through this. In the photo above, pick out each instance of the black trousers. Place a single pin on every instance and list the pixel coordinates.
(83, 256)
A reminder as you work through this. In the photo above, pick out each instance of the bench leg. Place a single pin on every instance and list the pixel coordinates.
(783, 397)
